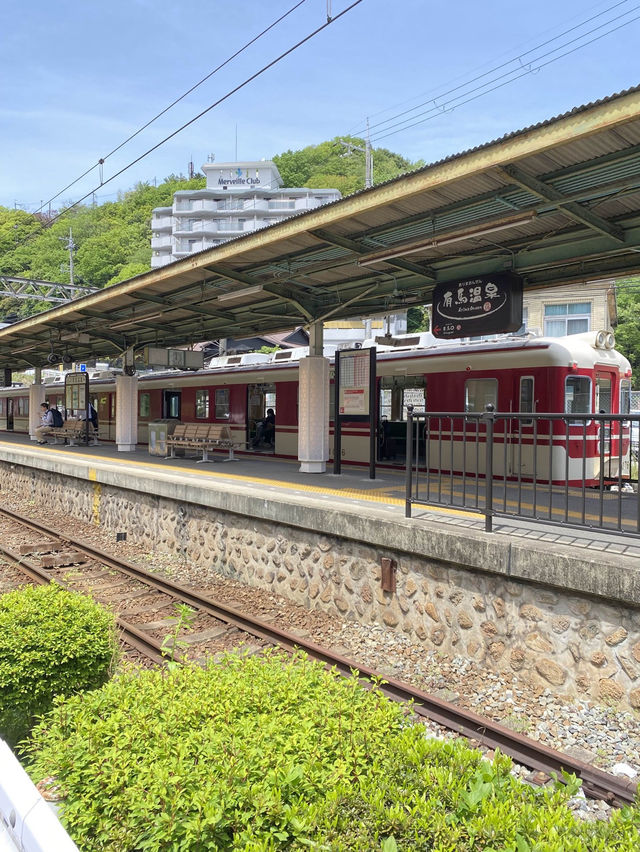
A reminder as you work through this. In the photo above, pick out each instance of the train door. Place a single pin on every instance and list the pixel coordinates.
(395, 394)
(521, 431)
(104, 404)
(260, 397)
(609, 434)
(171, 403)
(10, 402)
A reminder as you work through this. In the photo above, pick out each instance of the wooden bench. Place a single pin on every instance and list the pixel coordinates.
(74, 431)
(204, 438)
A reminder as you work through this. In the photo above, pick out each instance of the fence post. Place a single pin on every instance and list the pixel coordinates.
(489, 417)
(409, 463)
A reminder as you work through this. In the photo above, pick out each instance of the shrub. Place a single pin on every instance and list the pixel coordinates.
(267, 753)
(52, 642)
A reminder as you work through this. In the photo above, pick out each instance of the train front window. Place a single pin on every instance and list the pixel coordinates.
(577, 395)
(603, 395)
(478, 393)
(625, 396)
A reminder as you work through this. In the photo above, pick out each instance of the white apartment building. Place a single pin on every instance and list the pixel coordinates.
(238, 198)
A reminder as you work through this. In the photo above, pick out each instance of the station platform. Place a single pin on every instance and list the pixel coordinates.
(276, 480)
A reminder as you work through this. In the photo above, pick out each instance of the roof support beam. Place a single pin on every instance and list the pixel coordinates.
(572, 208)
(359, 249)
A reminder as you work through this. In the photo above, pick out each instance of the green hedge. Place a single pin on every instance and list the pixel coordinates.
(52, 642)
(267, 753)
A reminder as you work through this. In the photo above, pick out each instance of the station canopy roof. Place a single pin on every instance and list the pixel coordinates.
(558, 202)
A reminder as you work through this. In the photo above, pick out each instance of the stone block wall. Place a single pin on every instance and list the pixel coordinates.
(569, 642)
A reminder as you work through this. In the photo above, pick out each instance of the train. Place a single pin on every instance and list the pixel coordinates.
(580, 374)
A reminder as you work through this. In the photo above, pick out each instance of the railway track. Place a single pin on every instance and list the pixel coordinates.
(52, 555)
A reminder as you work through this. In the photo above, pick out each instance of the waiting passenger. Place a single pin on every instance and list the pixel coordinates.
(266, 430)
(93, 416)
(46, 422)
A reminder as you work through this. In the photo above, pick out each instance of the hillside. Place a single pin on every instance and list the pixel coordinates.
(114, 239)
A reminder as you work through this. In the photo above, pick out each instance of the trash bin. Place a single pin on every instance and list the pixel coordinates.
(159, 431)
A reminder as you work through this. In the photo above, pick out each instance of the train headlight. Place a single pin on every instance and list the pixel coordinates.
(610, 342)
(601, 339)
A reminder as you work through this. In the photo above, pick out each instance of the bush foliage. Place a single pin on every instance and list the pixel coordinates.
(52, 642)
(267, 753)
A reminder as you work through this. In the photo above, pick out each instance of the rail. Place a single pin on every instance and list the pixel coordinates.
(573, 470)
(484, 731)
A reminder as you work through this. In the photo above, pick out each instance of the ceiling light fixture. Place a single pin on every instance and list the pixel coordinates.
(436, 242)
(239, 297)
(125, 323)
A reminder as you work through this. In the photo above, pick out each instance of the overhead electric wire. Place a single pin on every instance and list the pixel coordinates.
(449, 106)
(225, 97)
(407, 123)
(229, 59)
(484, 65)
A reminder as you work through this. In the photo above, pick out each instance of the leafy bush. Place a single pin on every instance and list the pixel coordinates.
(267, 753)
(52, 642)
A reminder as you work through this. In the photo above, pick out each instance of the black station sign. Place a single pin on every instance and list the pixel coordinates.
(486, 304)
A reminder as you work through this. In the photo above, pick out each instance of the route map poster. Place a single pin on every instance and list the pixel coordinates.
(485, 304)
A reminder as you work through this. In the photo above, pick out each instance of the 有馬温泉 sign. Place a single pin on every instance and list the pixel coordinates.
(485, 304)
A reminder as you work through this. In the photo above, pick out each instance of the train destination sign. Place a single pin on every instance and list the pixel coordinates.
(485, 304)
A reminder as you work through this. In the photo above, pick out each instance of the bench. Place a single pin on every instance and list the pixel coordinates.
(204, 438)
(73, 431)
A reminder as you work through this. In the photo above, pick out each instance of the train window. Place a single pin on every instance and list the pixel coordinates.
(397, 392)
(145, 404)
(23, 405)
(577, 395)
(478, 393)
(202, 404)
(3, 407)
(625, 397)
(526, 398)
(222, 404)
(603, 395)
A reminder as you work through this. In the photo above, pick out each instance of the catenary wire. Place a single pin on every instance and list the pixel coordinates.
(527, 70)
(462, 76)
(231, 92)
(173, 103)
(449, 106)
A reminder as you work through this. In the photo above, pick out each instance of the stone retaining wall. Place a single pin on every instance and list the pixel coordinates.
(570, 642)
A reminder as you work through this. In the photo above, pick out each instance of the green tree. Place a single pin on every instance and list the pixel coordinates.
(628, 328)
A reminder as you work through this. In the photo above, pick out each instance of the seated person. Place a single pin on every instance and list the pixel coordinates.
(93, 416)
(266, 429)
(46, 422)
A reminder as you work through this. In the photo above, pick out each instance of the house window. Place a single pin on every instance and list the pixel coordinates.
(202, 404)
(222, 404)
(569, 318)
(478, 393)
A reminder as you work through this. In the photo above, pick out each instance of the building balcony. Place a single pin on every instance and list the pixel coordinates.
(162, 242)
(161, 223)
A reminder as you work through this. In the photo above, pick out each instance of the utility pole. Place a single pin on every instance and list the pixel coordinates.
(368, 157)
(71, 247)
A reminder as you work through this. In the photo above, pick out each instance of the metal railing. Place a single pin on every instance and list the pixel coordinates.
(573, 470)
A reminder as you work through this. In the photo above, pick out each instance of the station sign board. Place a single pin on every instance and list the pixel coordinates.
(484, 304)
(182, 359)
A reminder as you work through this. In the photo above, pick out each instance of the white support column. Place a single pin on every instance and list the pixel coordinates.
(313, 402)
(36, 398)
(126, 413)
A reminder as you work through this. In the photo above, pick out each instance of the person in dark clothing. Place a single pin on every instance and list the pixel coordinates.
(266, 430)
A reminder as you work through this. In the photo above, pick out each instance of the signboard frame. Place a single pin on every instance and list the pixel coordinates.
(76, 396)
(477, 306)
(355, 398)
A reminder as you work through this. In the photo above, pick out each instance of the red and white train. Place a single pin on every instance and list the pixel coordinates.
(580, 374)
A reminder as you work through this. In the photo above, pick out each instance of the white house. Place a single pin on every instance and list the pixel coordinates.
(238, 197)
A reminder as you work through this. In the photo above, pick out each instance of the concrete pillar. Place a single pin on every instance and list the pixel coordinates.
(126, 413)
(313, 406)
(36, 398)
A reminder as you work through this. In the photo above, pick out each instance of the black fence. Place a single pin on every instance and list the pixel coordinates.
(574, 470)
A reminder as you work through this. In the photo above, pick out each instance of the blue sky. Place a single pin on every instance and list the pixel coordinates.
(79, 76)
